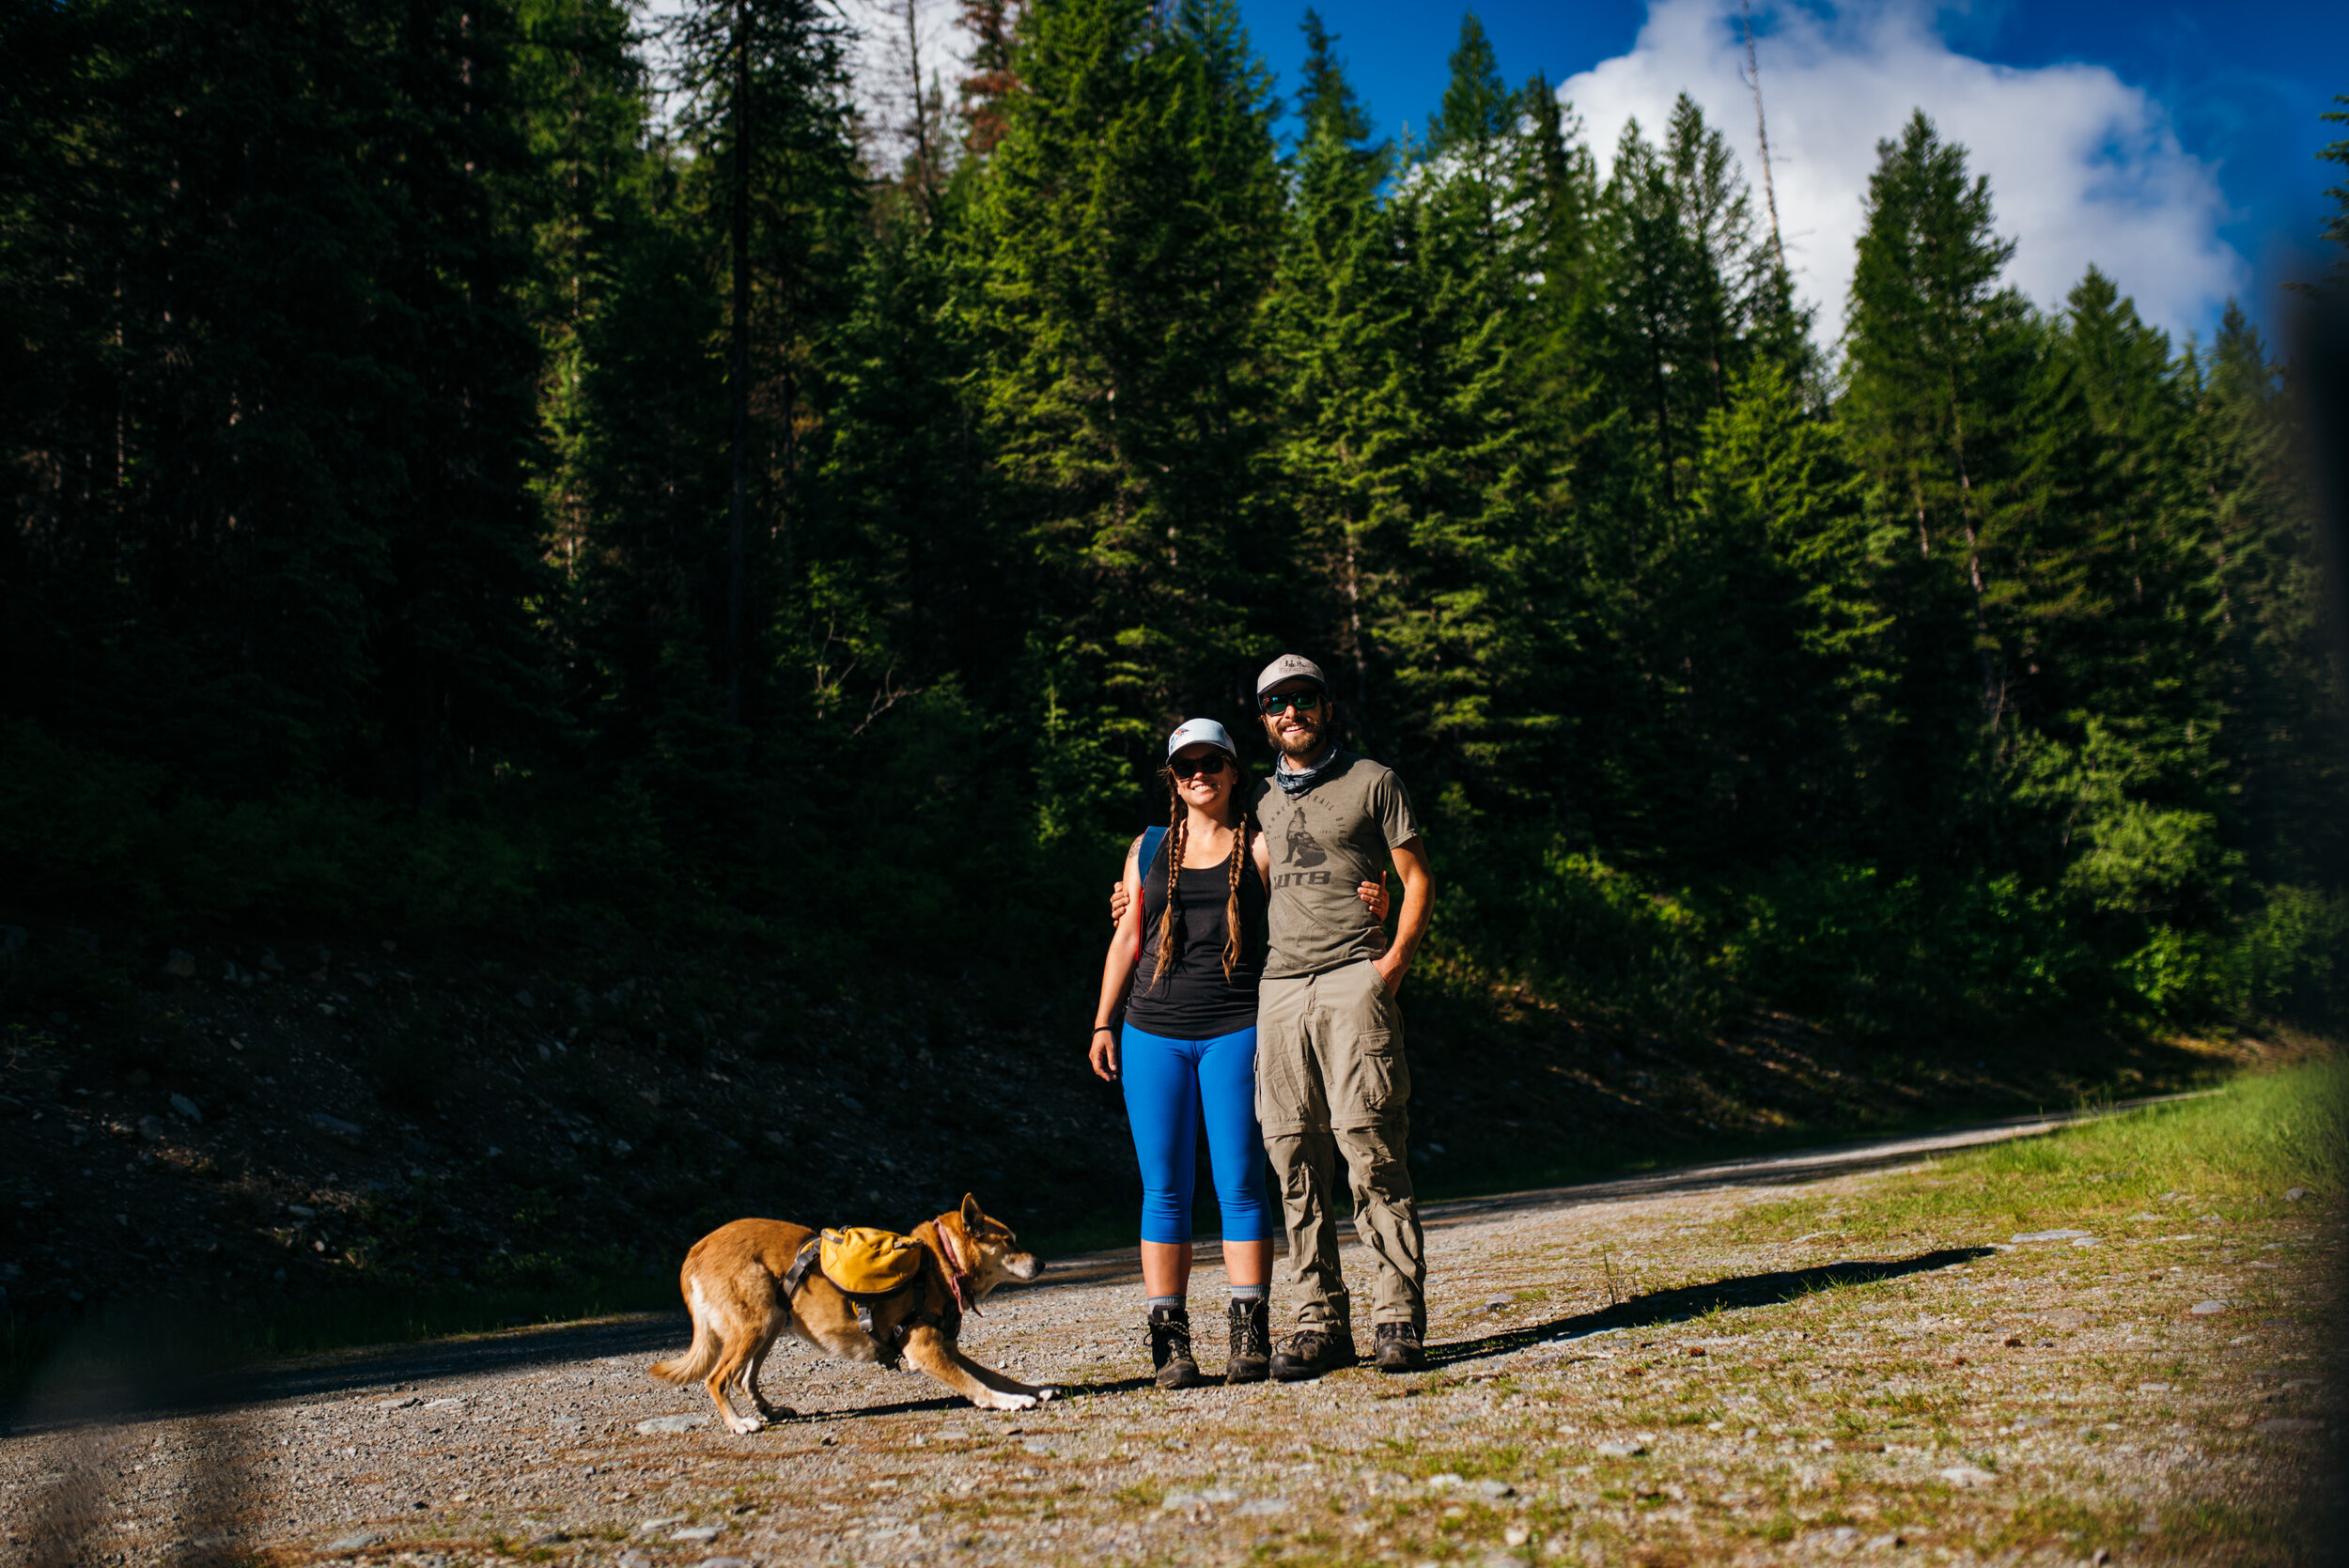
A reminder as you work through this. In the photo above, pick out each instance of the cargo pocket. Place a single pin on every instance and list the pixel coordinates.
(1377, 1081)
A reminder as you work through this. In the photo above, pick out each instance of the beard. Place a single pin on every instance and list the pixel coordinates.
(1303, 744)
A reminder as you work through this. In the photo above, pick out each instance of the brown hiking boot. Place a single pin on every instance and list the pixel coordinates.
(1399, 1349)
(1311, 1352)
(1170, 1348)
(1252, 1342)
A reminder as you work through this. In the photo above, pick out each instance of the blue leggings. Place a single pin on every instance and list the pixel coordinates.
(1169, 1084)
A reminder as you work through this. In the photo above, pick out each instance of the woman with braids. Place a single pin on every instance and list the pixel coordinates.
(1183, 969)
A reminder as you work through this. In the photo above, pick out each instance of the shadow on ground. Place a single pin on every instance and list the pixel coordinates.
(1693, 1301)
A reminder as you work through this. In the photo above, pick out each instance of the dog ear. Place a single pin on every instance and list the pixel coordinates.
(972, 1214)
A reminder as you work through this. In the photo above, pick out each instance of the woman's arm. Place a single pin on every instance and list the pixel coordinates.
(1117, 972)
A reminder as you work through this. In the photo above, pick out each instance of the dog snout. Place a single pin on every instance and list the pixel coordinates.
(1024, 1266)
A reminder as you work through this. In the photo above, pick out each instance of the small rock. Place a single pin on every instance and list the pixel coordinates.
(1495, 1490)
(1500, 1303)
(623, 1147)
(2153, 1387)
(727, 1562)
(1443, 1482)
(1263, 1506)
(2047, 1235)
(180, 965)
(302, 1211)
(335, 1127)
(2207, 1309)
(358, 1542)
(1516, 1535)
(773, 1136)
(186, 1109)
(152, 1128)
(1966, 1475)
(660, 1424)
(2293, 1194)
(399, 1403)
(697, 1535)
(646, 1526)
(1620, 1450)
(523, 999)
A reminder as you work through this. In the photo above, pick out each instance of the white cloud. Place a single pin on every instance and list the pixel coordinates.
(2083, 167)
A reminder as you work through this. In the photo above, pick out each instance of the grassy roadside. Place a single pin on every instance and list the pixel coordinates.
(2118, 1337)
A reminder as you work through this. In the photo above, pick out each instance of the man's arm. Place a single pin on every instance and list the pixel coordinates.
(1418, 885)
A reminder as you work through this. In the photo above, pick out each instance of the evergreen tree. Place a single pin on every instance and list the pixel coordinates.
(1937, 358)
(1125, 233)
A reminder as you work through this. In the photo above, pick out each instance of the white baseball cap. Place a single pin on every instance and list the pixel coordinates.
(1199, 731)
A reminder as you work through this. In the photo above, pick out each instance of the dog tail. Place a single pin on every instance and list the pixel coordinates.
(699, 1357)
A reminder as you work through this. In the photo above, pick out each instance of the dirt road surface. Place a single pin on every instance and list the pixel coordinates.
(1624, 1373)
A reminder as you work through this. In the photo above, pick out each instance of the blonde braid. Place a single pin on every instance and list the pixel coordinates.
(1177, 827)
(1231, 901)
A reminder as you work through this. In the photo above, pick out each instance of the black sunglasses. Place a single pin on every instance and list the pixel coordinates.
(1183, 767)
(1304, 702)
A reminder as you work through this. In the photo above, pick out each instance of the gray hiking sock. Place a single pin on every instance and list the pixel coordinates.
(1155, 1303)
(1251, 1293)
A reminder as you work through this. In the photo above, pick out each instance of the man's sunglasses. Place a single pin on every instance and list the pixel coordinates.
(1304, 702)
(1183, 767)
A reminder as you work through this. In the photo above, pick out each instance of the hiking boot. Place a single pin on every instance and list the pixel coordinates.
(1252, 1342)
(1311, 1352)
(1399, 1348)
(1170, 1348)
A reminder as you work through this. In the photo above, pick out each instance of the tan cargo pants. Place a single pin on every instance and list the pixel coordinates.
(1331, 1079)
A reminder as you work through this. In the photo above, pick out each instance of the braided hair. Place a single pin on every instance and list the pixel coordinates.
(1178, 824)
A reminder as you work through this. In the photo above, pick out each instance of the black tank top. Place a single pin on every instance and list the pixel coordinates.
(1193, 1000)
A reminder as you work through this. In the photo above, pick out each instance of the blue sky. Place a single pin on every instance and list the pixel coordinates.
(2172, 145)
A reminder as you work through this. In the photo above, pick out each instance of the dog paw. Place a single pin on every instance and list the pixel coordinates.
(744, 1425)
(996, 1399)
(1046, 1395)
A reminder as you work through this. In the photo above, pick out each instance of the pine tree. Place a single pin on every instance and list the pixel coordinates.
(1125, 232)
(1937, 359)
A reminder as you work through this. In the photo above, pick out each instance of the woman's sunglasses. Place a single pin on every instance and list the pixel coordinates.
(1183, 767)
(1304, 702)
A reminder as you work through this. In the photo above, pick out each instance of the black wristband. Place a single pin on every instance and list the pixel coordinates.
(1103, 1029)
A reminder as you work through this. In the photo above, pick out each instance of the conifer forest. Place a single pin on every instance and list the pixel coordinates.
(483, 470)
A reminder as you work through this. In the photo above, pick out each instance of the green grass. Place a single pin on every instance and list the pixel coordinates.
(2234, 1152)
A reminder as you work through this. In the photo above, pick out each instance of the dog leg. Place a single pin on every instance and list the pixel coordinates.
(731, 1366)
(750, 1378)
(928, 1348)
(1002, 1382)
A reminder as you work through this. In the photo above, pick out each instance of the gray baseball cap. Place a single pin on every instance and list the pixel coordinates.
(1199, 731)
(1290, 666)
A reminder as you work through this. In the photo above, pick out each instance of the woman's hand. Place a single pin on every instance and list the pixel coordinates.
(1104, 1055)
(1375, 895)
(1118, 900)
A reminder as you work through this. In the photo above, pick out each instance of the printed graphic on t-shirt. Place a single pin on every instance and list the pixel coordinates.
(1303, 848)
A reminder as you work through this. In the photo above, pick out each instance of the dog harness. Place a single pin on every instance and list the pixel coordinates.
(947, 1319)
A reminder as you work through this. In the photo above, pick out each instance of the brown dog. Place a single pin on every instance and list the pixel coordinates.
(733, 1282)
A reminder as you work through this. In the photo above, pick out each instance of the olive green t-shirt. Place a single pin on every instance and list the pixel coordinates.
(1324, 842)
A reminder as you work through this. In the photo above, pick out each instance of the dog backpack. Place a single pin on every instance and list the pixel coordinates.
(863, 1261)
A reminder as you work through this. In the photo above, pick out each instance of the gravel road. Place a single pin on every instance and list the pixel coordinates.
(554, 1446)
